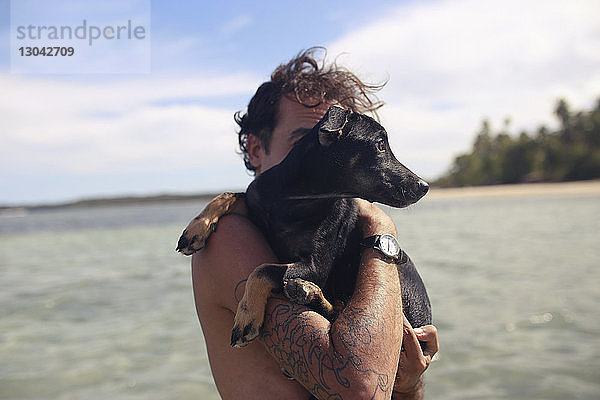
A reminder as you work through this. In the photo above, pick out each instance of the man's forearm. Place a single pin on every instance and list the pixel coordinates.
(369, 328)
(355, 357)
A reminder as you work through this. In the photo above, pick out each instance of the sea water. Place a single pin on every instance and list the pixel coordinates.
(96, 304)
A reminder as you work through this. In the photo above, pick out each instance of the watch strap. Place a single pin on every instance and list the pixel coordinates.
(370, 242)
(374, 242)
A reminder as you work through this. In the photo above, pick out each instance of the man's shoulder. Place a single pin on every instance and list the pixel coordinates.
(230, 239)
(235, 224)
(232, 252)
(231, 232)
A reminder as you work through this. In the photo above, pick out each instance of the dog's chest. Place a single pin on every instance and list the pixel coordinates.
(295, 229)
(315, 232)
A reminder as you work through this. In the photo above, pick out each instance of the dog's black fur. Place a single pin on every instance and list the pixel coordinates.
(305, 205)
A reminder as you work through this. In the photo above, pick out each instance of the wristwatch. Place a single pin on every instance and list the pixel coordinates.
(385, 243)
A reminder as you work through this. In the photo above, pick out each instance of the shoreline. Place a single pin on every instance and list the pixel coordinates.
(109, 201)
(582, 188)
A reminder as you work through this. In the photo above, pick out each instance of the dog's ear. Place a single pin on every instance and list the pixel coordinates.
(332, 124)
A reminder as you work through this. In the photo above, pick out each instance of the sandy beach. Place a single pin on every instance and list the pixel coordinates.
(583, 188)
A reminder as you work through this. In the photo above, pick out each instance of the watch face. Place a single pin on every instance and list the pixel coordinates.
(389, 245)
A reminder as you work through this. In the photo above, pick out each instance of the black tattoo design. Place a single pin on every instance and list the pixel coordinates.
(235, 290)
(296, 344)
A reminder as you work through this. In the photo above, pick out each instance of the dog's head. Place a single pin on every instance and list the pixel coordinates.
(362, 160)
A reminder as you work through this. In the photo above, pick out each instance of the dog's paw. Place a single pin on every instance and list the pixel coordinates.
(301, 292)
(196, 234)
(250, 312)
(191, 242)
(246, 325)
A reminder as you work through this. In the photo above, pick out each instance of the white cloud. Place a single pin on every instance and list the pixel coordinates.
(116, 125)
(450, 63)
(236, 24)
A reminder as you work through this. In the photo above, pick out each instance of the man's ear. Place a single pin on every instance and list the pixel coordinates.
(255, 151)
(332, 124)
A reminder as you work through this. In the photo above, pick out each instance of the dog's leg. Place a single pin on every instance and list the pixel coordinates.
(305, 292)
(251, 309)
(301, 284)
(196, 234)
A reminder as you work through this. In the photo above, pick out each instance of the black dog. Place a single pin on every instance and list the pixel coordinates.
(305, 208)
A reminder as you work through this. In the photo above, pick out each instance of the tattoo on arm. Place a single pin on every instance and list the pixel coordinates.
(319, 362)
(238, 296)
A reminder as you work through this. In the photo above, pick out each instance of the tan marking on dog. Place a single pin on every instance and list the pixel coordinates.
(250, 312)
(202, 226)
(308, 293)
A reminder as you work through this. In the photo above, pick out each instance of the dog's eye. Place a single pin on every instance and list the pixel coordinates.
(381, 145)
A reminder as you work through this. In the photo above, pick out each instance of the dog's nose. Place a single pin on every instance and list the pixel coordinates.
(422, 187)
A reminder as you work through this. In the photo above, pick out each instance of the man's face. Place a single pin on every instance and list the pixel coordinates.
(294, 120)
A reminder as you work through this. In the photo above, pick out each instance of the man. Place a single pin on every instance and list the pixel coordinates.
(356, 356)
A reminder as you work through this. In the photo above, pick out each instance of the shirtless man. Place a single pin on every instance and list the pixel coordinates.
(358, 355)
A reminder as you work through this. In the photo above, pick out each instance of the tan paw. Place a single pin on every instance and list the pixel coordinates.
(246, 325)
(300, 291)
(196, 234)
(309, 294)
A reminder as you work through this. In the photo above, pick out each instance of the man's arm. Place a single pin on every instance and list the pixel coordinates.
(357, 355)
(218, 275)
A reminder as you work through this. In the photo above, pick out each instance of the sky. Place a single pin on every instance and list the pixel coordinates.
(159, 119)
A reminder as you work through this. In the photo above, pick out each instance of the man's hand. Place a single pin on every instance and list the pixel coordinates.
(372, 220)
(414, 361)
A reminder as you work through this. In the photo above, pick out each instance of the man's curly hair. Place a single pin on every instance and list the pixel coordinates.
(310, 83)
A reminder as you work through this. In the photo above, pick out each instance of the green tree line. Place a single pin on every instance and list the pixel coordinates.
(570, 153)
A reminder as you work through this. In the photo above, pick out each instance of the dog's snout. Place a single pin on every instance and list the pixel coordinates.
(412, 191)
(422, 187)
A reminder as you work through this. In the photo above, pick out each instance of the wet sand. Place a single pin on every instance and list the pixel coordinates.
(583, 188)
